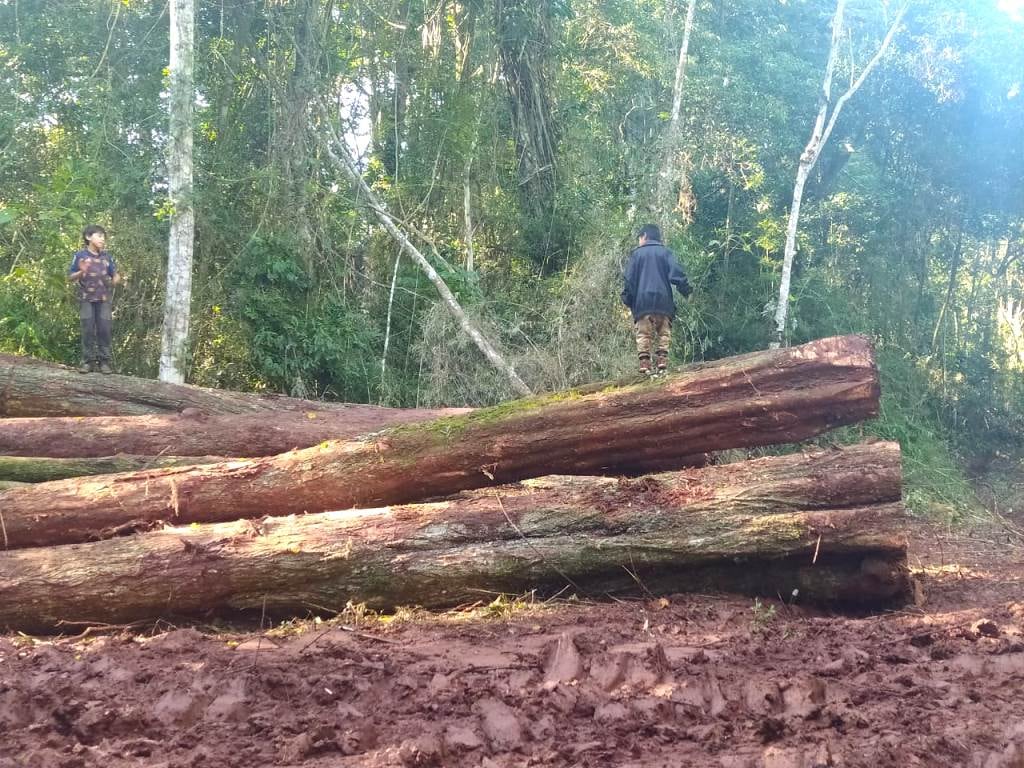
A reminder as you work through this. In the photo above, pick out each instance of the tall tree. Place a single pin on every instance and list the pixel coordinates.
(828, 113)
(673, 194)
(178, 298)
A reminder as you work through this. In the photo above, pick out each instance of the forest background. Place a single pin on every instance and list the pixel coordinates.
(519, 144)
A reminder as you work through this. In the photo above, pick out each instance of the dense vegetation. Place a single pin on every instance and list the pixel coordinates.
(547, 118)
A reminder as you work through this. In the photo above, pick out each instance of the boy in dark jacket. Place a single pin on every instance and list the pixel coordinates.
(94, 270)
(650, 273)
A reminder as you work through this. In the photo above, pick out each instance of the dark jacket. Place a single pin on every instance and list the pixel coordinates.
(651, 272)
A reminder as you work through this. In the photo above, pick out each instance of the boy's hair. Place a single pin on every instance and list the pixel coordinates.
(91, 230)
(650, 231)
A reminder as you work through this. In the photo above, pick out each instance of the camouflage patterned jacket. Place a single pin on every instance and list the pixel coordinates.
(97, 282)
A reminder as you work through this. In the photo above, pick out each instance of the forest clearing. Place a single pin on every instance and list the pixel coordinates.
(572, 634)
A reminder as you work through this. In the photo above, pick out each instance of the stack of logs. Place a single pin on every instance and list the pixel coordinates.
(126, 499)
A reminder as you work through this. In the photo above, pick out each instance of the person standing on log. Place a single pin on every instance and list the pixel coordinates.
(94, 270)
(650, 273)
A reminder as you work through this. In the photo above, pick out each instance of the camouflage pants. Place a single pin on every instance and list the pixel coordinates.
(653, 333)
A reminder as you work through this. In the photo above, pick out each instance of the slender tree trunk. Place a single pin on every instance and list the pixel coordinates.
(825, 527)
(293, 85)
(954, 270)
(387, 325)
(467, 210)
(763, 398)
(178, 298)
(807, 160)
(344, 163)
(824, 123)
(673, 176)
(523, 46)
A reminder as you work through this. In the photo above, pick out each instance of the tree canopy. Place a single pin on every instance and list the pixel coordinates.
(518, 145)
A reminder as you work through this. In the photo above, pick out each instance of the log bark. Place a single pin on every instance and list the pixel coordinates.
(42, 469)
(774, 396)
(30, 388)
(827, 525)
(198, 434)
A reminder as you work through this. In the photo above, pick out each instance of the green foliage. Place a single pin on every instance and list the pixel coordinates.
(37, 313)
(300, 341)
(933, 478)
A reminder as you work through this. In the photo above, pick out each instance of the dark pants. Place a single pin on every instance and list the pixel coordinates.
(96, 331)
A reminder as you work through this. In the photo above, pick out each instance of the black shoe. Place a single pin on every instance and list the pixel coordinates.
(105, 368)
(86, 368)
(645, 364)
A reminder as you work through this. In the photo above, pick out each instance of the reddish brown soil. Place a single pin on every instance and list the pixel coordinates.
(688, 681)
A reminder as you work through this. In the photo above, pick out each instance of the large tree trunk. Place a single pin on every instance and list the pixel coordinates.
(178, 295)
(768, 397)
(825, 527)
(199, 435)
(35, 388)
(42, 469)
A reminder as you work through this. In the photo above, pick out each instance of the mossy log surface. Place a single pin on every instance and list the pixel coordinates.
(43, 469)
(775, 396)
(30, 387)
(828, 525)
(198, 434)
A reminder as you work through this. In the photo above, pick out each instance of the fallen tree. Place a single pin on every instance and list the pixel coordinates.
(827, 525)
(197, 434)
(768, 397)
(43, 469)
(757, 399)
(31, 387)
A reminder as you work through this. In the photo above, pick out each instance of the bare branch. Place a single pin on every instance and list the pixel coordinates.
(341, 159)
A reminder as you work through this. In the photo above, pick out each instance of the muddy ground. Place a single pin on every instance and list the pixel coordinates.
(687, 680)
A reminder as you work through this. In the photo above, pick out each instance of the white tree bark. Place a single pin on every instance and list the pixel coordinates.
(671, 173)
(823, 125)
(342, 160)
(387, 325)
(178, 298)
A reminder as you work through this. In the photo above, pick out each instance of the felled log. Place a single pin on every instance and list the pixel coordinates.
(775, 396)
(828, 525)
(197, 434)
(42, 469)
(31, 387)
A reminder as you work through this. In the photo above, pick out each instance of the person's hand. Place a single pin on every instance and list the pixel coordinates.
(84, 264)
(117, 278)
